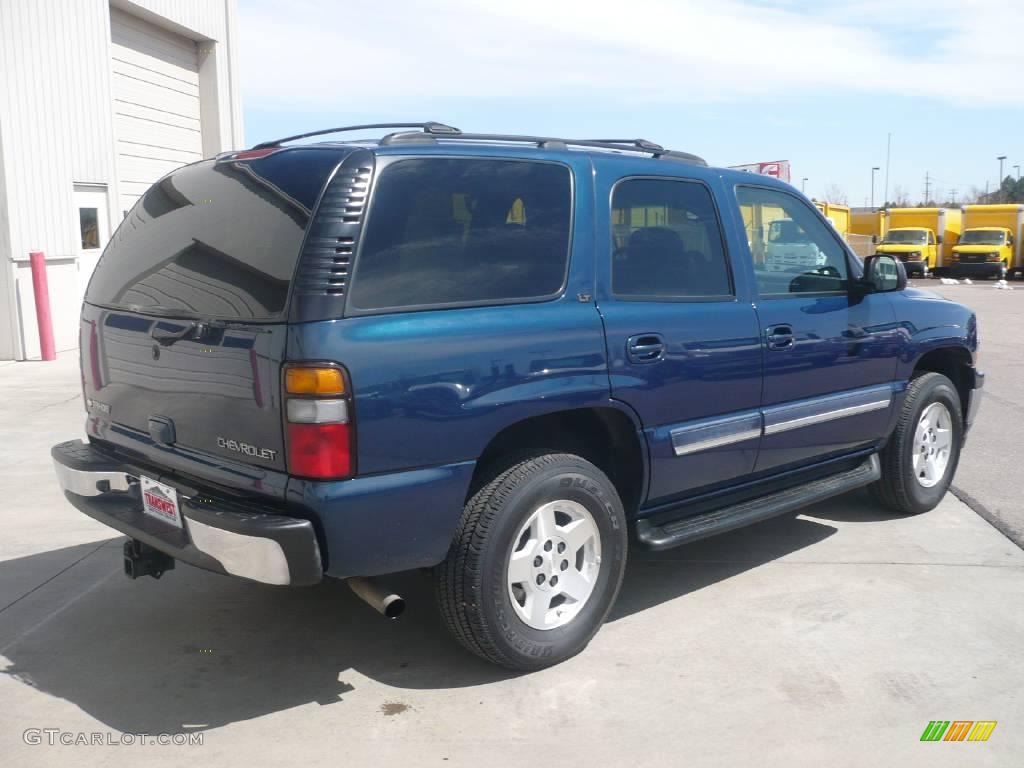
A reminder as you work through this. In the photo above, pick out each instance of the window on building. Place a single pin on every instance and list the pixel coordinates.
(89, 228)
(667, 241)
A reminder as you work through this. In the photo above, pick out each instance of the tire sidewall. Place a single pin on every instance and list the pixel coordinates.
(938, 390)
(574, 481)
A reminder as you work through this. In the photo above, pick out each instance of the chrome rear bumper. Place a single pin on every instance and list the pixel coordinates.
(230, 536)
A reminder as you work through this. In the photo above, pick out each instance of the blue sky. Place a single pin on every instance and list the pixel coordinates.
(737, 81)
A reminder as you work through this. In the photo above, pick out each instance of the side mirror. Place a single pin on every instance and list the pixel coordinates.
(939, 239)
(874, 239)
(883, 274)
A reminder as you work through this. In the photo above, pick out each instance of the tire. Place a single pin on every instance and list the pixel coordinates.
(480, 605)
(903, 489)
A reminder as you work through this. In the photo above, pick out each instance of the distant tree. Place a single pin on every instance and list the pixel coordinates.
(974, 195)
(1011, 190)
(835, 194)
(900, 198)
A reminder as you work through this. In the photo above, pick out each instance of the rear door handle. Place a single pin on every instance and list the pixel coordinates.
(645, 348)
(780, 336)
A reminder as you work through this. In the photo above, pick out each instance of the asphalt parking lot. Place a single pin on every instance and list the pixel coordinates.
(989, 477)
(832, 637)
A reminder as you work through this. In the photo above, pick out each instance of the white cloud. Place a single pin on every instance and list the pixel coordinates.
(375, 58)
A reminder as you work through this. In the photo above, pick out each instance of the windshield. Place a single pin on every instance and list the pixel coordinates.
(983, 237)
(909, 236)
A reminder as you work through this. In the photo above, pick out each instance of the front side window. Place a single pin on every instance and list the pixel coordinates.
(667, 241)
(452, 231)
(793, 250)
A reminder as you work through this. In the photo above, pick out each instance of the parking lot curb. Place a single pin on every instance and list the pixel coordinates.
(983, 512)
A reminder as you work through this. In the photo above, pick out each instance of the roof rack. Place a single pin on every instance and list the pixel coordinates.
(639, 143)
(430, 132)
(548, 142)
(428, 127)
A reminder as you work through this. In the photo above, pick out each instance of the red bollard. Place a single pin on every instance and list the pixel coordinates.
(47, 348)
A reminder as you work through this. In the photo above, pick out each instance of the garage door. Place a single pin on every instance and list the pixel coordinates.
(156, 103)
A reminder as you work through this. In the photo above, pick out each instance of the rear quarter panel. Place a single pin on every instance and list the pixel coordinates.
(434, 387)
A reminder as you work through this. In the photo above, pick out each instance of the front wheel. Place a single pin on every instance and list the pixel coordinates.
(921, 457)
(536, 563)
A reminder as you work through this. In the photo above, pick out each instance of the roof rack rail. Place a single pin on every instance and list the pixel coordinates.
(550, 142)
(638, 143)
(429, 127)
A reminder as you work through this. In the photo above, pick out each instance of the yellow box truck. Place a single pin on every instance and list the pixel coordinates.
(870, 223)
(991, 241)
(922, 238)
(838, 214)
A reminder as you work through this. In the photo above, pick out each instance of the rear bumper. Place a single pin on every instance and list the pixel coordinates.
(223, 535)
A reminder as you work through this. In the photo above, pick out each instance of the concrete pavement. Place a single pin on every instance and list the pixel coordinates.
(832, 637)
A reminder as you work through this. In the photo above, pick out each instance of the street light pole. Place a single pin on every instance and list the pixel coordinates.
(999, 187)
(1017, 169)
(803, 185)
(888, 152)
(873, 169)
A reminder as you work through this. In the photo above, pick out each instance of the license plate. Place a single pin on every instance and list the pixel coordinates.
(160, 501)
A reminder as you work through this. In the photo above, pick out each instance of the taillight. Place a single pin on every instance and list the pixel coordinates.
(318, 422)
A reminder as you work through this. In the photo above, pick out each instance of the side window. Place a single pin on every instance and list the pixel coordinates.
(447, 231)
(794, 251)
(667, 242)
(931, 238)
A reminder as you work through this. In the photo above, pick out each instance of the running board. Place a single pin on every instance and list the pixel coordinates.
(687, 529)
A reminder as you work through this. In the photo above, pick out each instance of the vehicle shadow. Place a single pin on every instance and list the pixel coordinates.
(195, 650)
(857, 507)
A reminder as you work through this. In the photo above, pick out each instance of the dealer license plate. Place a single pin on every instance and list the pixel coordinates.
(160, 501)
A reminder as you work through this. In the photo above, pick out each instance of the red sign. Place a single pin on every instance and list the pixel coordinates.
(777, 169)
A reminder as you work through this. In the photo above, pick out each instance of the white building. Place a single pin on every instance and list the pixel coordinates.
(98, 99)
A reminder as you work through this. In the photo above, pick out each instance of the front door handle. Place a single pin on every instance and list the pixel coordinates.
(645, 348)
(780, 336)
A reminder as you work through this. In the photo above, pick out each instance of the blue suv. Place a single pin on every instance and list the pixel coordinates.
(497, 357)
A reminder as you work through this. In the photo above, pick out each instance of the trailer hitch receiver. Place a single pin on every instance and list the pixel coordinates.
(143, 560)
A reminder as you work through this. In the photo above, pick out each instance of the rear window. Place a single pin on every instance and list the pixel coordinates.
(451, 232)
(218, 239)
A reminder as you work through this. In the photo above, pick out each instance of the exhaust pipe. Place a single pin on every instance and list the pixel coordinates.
(379, 597)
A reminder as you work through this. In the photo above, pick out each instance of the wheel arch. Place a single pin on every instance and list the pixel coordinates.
(953, 362)
(608, 436)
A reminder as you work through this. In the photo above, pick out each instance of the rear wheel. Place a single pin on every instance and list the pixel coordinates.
(536, 563)
(921, 457)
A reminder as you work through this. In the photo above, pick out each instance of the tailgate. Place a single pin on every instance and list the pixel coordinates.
(215, 392)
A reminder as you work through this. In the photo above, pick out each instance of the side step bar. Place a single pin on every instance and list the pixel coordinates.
(687, 529)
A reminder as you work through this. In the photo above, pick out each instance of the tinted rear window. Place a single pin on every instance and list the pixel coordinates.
(215, 239)
(446, 231)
